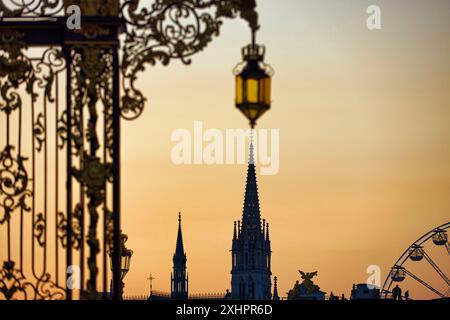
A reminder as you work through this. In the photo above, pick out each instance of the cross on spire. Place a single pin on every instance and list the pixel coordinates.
(150, 279)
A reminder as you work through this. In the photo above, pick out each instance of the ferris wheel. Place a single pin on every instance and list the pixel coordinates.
(418, 253)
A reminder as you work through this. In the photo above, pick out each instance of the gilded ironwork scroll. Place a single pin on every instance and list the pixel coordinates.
(171, 29)
(23, 8)
(22, 76)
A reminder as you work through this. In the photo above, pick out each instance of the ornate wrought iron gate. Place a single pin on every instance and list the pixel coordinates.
(62, 95)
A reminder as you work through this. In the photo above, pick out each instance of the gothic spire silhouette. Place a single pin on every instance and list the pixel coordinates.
(179, 277)
(275, 289)
(251, 253)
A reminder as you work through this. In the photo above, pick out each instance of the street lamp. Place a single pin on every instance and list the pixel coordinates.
(253, 83)
(125, 260)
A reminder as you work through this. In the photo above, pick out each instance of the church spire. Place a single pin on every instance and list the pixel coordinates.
(179, 279)
(251, 275)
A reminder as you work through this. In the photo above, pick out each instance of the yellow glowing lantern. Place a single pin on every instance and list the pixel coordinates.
(253, 83)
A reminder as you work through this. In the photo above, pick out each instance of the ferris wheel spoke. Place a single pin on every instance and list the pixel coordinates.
(426, 285)
(436, 268)
(447, 246)
(447, 293)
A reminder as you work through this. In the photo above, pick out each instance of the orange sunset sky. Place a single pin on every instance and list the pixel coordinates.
(364, 163)
(364, 146)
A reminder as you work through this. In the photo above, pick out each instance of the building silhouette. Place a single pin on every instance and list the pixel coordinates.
(179, 277)
(251, 253)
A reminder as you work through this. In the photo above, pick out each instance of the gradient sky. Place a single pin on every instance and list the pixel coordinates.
(365, 146)
(364, 124)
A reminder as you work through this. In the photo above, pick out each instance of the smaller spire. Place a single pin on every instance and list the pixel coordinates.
(234, 233)
(267, 232)
(264, 228)
(179, 281)
(275, 289)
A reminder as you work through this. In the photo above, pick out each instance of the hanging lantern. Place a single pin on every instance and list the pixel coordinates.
(125, 257)
(253, 83)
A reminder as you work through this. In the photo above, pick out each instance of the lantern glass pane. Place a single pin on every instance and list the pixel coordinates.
(239, 90)
(267, 91)
(127, 263)
(262, 88)
(252, 91)
(123, 263)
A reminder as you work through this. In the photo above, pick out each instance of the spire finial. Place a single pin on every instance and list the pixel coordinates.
(179, 250)
(252, 148)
